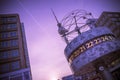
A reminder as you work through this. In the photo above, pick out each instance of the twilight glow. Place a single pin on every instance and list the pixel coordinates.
(45, 46)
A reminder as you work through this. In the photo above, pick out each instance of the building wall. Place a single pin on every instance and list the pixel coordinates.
(13, 51)
(110, 20)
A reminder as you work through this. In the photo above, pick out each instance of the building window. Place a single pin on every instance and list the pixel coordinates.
(6, 19)
(8, 27)
(9, 54)
(8, 34)
(4, 44)
(14, 43)
(3, 27)
(110, 15)
(4, 35)
(12, 26)
(11, 19)
(114, 19)
(4, 68)
(11, 43)
(3, 19)
(13, 34)
(15, 65)
(14, 53)
(4, 55)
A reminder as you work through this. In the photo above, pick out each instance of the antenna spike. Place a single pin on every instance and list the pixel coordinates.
(55, 16)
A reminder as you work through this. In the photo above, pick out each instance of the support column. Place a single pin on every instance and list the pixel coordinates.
(107, 75)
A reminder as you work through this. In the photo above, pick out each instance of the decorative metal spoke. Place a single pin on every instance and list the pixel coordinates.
(72, 23)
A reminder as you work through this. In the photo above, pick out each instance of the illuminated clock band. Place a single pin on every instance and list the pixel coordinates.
(89, 44)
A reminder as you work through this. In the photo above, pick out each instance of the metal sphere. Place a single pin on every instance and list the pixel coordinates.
(74, 22)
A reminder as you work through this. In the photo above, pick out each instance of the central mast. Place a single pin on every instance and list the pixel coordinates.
(61, 30)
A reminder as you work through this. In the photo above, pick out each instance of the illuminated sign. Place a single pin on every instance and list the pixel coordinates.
(89, 44)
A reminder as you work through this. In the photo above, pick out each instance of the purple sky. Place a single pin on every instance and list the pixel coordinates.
(45, 46)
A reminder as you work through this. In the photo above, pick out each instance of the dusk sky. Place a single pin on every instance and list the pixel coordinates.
(45, 46)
